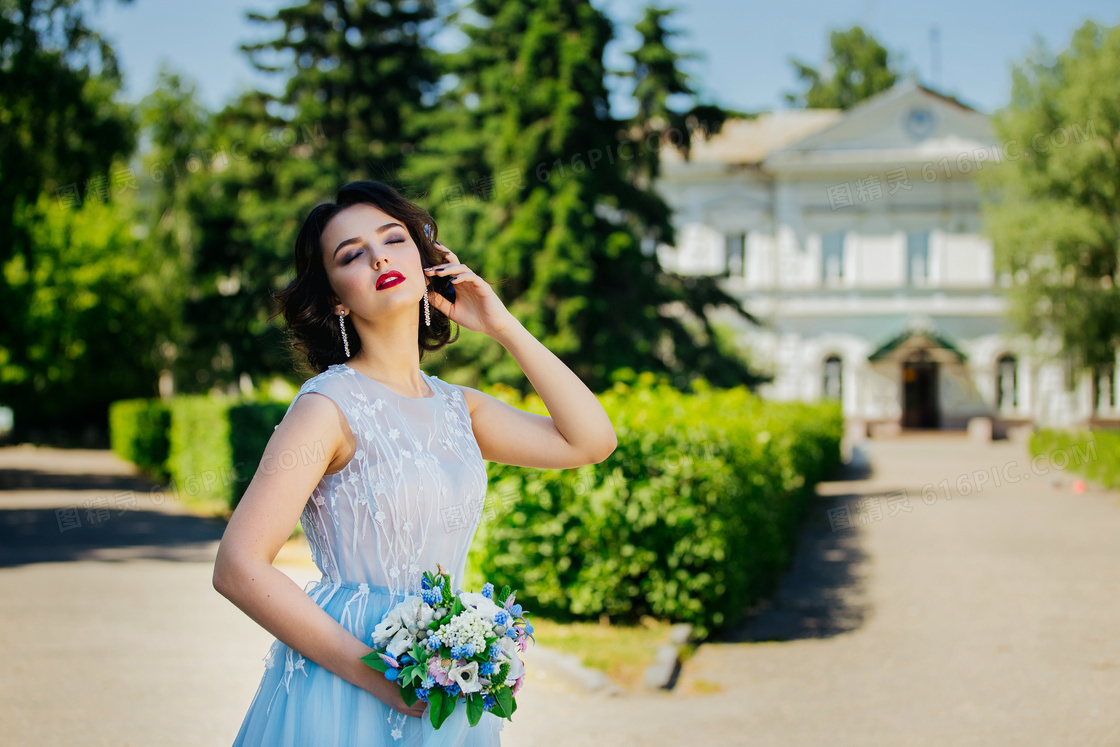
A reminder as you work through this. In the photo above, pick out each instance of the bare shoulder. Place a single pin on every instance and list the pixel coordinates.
(473, 396)
(315, 424)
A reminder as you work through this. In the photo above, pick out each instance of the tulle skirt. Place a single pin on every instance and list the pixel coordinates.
(301, 704)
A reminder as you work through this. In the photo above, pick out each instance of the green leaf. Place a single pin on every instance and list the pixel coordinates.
(457, 606)
(408, 694)
(504, 594)
(504, 696)
(448, 708)
(436, 698)
(374, 660)
(474, 708)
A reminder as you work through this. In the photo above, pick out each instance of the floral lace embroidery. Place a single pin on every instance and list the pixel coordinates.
(384, 517)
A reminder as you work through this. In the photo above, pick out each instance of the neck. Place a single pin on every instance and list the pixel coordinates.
(389, 352)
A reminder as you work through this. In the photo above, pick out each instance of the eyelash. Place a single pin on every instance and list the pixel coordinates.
(349, 259)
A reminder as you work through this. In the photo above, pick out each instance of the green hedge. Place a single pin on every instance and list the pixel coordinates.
(692, 518)
(138, 434)
(205, 449)
(1092, 453)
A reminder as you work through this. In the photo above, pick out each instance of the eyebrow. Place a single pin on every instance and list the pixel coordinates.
(347, 242)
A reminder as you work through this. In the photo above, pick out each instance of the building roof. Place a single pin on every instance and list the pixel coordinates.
(750, 141)
(873, 132)
(913, 339)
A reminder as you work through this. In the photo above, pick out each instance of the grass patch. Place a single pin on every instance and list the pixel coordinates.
(621, 651)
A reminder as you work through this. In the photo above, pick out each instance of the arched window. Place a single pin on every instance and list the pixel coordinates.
(1007, 383)
(833, 383)
(1106, 390)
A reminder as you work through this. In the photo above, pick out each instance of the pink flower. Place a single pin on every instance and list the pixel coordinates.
(517, 684)
(438, 670)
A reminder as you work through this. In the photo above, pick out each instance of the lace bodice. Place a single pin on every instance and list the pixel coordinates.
(411, 496)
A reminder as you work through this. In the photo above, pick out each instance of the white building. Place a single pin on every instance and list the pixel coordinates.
(855, 237)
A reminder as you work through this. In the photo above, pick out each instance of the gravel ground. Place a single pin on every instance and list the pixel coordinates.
(981, 619)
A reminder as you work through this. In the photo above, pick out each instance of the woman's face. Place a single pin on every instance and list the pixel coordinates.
(360, 245)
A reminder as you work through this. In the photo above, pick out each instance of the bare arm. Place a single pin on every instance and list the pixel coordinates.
(578, 432)
(316, 432)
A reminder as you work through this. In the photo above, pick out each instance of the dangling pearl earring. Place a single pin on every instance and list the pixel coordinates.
(345, 342)
(427, 311)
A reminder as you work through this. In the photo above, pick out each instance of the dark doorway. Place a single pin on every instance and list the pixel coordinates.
(919, 394)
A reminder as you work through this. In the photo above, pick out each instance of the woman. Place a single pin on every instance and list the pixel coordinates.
(384, 469)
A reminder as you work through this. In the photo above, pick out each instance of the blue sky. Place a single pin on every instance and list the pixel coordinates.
(745, 44)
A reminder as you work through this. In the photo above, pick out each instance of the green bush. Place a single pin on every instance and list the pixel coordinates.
(138, 434)
(1092, 453)
(200, 454)
(692, 518)
(205, 449)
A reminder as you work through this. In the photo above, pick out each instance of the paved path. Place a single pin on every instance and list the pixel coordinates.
(986, 619)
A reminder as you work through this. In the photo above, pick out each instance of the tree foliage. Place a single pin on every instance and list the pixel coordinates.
(1052, 208)
(549, 211)
(858, 67)
(64, 134)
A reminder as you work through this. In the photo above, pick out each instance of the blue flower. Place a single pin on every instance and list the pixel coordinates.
(468, 650)
(452, 689)
(433, 641)
(486, 668)
(488, 590)
(406, 659)
(429, 682)
(488, 702)
(495, 650)
(512, 632)
(422, 693)
(528, 628)
(425, 584)
(515, 610)
(391, 674)
(502, 618)
(457, 652)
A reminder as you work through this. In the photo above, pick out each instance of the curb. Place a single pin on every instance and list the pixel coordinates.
(571, 670)
(662, 674)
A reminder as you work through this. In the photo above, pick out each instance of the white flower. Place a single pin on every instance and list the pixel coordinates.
(379, 516)
(401, 643)
(466, 627)
(394, 433)
(404, 614)
(516, 667)
(480, 604)
(466, 677)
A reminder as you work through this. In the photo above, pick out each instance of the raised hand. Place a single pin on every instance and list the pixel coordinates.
(476, 305)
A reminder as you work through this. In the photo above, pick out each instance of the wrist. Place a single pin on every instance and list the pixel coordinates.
(511, 329)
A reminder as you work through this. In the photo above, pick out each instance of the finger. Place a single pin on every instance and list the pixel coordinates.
(464, 275)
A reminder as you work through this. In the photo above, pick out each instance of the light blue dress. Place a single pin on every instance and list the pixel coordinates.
(411, 497)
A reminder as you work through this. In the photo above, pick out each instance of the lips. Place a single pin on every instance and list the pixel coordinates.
(389, 279)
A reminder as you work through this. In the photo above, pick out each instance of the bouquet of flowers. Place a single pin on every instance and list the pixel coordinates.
(443, 646)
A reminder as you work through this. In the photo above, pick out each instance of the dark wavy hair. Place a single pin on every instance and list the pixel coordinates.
(305, 303)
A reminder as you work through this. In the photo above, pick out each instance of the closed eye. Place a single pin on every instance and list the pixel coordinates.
(395, 240)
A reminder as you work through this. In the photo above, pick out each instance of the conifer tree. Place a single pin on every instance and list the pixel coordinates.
(557, 221)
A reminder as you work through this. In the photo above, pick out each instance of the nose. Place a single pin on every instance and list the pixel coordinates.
(376, 256)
